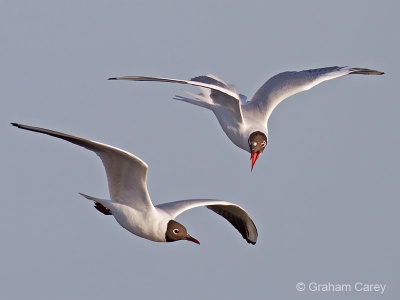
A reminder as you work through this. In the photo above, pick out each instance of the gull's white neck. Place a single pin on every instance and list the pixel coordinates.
(239, 133)
(149, 224)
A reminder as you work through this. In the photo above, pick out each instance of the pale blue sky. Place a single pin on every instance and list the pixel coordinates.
(324, 195)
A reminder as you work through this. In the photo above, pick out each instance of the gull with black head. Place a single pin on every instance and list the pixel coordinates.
(130, 202)
(245, 122)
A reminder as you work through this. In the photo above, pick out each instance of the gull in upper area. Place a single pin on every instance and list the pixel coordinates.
(245, 122)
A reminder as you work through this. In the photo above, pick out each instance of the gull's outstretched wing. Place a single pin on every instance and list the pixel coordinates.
(233, 213)
(126, 173)
(286, 84)
(215, 93)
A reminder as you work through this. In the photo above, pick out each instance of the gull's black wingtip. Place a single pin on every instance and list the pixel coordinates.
(112, 78)
(15, 124)
(364, 71)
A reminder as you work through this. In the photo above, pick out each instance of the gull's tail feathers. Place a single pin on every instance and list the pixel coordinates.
(99, 204)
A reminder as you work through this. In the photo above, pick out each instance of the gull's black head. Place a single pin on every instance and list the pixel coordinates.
(176, 232)
(257, 142)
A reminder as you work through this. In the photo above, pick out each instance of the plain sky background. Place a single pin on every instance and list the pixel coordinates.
(324, 195)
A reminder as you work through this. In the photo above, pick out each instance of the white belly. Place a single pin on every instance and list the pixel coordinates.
(150, 225)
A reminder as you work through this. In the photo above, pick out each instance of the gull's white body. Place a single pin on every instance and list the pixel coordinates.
(238, 117)
(149, 224)
(130, 202)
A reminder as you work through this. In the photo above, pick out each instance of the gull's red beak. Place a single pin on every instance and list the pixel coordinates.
(254, 157)
(192, 239)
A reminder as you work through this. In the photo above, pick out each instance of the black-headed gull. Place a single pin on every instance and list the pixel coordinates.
(245, 122)
(130, 202)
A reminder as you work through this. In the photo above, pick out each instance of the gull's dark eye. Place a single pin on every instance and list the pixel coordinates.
(175, 231)
(263, 144)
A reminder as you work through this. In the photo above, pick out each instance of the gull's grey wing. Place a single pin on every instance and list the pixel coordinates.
(286, 84)
(215, 93)
(233, 213)
(126, 173)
